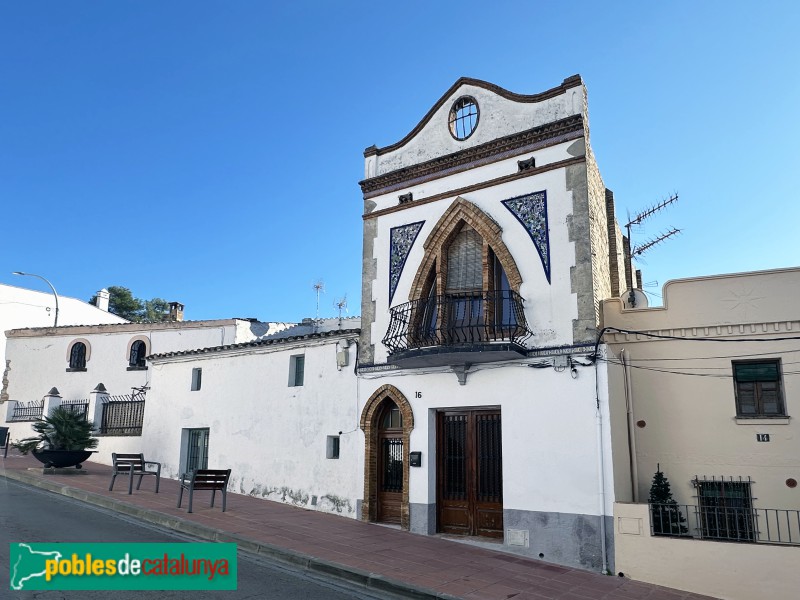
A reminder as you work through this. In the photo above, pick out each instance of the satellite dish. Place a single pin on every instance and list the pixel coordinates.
(634, 299)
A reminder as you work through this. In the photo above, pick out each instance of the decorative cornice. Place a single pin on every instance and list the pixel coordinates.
(477, 186)
(738, 331)
(465, 159)
(568, 83)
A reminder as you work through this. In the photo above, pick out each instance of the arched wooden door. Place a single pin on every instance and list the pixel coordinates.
(390, 470)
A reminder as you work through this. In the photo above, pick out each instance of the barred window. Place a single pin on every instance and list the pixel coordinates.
(138, 352)
(758, 389)
(77, 356)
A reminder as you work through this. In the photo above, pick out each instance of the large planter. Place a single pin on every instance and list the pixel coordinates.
(62, 458)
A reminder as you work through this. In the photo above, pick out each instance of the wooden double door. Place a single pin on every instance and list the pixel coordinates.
(470, 472)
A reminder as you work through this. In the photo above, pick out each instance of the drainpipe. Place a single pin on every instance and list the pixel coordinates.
(600, 468)
(631, 431)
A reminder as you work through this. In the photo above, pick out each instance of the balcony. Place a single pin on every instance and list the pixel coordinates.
(457, 329)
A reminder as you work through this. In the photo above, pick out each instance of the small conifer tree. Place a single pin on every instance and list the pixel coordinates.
(665, 513)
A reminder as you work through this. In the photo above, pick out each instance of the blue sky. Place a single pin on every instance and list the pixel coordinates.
(210, 152)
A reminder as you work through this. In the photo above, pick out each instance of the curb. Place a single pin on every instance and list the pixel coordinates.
(373, 582)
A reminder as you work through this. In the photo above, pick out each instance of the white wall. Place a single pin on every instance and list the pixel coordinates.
(271, 435)
(549, 429)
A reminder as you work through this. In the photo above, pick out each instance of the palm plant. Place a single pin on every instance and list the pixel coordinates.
(62, 429)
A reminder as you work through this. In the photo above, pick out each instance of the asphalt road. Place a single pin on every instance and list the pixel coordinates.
(31, 515)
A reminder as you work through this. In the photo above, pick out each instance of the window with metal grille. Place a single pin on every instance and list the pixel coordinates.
(726, 509)
(463, 117)
(77, 356)
(297, 367)
(138, 352)
(197, 379)
(196, 449)
(758, 389)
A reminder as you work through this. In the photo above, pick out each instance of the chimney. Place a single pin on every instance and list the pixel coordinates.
(101, 301)
(175, 311)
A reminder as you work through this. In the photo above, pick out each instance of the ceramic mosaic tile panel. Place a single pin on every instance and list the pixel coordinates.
(402, 238)
(531, 211)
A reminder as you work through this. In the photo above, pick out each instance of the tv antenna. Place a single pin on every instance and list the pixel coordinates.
(342, 306)
(646, 214)
(319, 288)
(640, 249)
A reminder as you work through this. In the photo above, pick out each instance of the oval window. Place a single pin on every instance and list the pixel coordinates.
(463, 117)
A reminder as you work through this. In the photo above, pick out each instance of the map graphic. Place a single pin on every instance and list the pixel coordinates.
(30, 564)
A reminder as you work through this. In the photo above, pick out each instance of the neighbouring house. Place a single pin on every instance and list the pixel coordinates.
(706, 389)
(489, 243)
(21, 307)
(281, 412)
(101, 369)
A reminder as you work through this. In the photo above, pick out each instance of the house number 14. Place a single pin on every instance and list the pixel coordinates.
(762, 437)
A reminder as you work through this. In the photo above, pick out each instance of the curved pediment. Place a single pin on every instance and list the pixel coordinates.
(500, 113)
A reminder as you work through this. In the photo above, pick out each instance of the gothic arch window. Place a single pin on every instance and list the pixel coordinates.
(467, 287)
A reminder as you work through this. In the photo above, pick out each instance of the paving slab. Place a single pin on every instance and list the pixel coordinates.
(377, 558)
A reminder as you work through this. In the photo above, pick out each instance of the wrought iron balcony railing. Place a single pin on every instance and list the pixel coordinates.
(457, 320)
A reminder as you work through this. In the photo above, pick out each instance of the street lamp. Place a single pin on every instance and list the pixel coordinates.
(55, 294)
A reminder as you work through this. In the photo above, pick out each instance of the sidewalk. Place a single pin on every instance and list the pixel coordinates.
(380, 559)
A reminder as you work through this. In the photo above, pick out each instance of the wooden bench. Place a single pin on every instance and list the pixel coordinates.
(205, 479)
(130, 465)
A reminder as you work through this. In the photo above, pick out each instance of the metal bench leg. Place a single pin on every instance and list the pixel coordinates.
(113, 477)
(224, 498)
(213, 495)
(180, 496)
(191, 493)
(158, 480)
(130, 481)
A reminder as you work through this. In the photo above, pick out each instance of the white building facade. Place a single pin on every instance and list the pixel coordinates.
(96, 364)
(489, 241)
(281, 413)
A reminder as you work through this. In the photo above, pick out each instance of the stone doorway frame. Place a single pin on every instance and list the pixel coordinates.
(369, 424)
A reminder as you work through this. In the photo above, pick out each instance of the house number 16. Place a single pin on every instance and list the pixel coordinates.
(417, 394)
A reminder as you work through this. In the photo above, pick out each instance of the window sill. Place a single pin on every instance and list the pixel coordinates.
(137, 368)
(762, 420)
(71, 370)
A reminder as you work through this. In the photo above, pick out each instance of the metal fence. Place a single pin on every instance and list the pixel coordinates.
(78, 407)
(123, 415)
(750, 525)
(30, 411)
